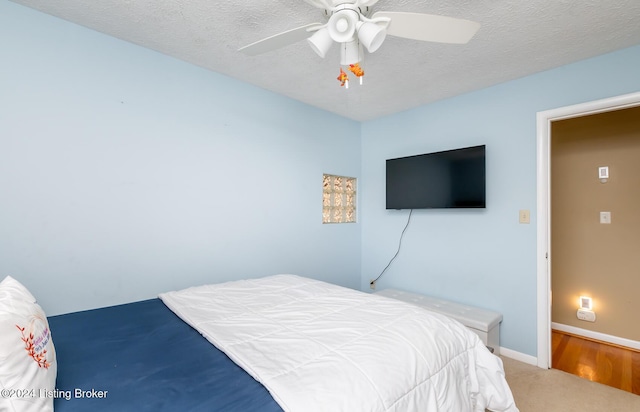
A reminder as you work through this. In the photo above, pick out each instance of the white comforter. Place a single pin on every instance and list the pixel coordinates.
(321, 347)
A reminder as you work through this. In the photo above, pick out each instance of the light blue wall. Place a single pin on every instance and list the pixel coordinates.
(124, 173)
(480, 257)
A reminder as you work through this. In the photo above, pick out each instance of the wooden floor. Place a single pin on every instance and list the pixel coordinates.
(597, 361)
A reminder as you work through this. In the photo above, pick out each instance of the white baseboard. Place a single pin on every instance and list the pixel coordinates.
(519, 356)
(532, 360)
(634, 344)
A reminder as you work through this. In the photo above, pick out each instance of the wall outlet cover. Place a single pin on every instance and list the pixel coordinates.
(586, 315)
(605, 218)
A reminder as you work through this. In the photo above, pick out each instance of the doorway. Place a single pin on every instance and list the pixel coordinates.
(543, 258)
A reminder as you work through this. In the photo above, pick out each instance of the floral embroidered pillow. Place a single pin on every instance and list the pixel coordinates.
(27, 356)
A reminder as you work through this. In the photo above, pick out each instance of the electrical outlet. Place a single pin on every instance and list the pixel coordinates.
(605, 218)
(372, 284)
(587, 315)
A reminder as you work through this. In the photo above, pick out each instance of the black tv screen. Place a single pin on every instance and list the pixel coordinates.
(449, 179)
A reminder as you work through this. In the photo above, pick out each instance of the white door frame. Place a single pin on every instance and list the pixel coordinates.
(543, 257)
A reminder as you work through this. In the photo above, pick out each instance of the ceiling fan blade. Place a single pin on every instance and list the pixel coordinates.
(279, 40)
(429, 27)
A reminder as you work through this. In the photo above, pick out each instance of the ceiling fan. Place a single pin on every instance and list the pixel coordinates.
(354, 27)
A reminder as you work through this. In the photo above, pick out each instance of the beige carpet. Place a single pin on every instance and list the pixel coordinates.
(536, 389)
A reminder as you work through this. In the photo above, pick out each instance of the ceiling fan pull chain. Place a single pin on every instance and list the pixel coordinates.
(343, 78)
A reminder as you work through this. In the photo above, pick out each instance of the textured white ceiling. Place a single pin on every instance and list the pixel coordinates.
(517, 38)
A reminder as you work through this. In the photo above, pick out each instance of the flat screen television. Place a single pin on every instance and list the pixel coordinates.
(441, 180)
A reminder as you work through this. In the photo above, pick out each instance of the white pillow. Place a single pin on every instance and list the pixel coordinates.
(27, 357)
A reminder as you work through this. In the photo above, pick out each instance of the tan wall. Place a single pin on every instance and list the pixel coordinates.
(587, 257)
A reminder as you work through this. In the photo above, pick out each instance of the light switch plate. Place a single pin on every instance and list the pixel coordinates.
(605, 218)
(603, 172)
(524, 216)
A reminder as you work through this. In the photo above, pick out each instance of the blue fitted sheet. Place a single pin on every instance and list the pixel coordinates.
(147, 359)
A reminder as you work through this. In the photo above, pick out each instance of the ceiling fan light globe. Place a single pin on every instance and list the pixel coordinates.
(371, 36)
(342, 26)
(320, 42)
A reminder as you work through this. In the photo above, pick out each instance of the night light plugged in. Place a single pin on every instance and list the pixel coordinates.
(586, 303)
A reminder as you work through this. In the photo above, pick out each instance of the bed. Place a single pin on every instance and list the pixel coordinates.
(279, 343)
(146, 359)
